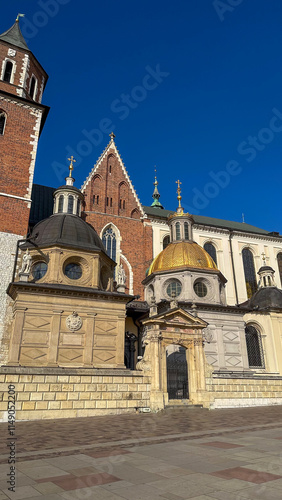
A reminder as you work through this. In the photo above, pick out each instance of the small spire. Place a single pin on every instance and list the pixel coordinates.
(156, 195)
(179, 197)
(112, 136)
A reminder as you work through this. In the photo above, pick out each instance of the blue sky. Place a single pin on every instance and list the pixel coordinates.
(193, 87)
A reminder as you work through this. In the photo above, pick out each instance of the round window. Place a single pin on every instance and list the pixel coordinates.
(39, 270)
(73, 271)
(174, 289)
(200, 289)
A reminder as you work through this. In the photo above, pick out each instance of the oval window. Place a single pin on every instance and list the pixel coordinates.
(73, 271)
(174, 289)
(39, 270)
(200, 289)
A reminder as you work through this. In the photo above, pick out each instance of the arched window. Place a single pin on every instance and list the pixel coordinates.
(110, 242)
(32, 87)
(61, 204)
(70, 204)
(177, 230)
(78, 207)
(186, 231)
(210, 248)
(166, 241)
(8, 72)
(279, 260)
(249, 270)
(254, 347)
(2, 122)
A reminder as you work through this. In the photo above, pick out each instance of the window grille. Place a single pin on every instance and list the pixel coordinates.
(186, 231)
(254, 347)
(61, 204)
(177, 229)
(70, 204)
(110, 243)
(249, 270)
(211, 250)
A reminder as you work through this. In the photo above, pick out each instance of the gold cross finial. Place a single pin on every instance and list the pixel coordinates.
(112, 136)
(179, 197)
(72, 161)
(263, 257)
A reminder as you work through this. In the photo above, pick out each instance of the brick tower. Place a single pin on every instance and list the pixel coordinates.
(22, 116)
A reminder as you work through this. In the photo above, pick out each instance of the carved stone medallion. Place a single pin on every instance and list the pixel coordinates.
(74, 322)
(207, 335)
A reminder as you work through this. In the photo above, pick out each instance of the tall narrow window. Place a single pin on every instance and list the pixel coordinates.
(177, 230)
(70, 204)
(93, 199)
(107, 201)
(210, 248)
(2, 122)
(61, 204)
(8, 72)
(249, 270)
(32, 87)
(110, 243)
(78, 207)
(166, 241)
(123, 204)
(279, 260)
(186, 231)
(97, 199)
(110, 169)
(111, 202)
(254, 347)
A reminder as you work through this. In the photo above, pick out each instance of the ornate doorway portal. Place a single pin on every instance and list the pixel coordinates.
(177, 372)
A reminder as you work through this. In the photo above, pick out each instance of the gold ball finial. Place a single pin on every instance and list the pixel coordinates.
(179, 197)
(72, 161)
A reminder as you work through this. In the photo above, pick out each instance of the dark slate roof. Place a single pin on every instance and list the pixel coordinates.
(14, 36)
(208, 221)
(269, 297)
(42, 203)
(65, 230)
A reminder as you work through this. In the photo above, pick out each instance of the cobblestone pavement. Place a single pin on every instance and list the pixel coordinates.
(177, 454)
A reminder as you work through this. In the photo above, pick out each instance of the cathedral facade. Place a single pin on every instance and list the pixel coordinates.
(107, 305)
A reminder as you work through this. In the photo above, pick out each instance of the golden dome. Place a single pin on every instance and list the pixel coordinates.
(182, 254)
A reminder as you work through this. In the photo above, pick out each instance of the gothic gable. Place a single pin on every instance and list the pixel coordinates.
(108, 188)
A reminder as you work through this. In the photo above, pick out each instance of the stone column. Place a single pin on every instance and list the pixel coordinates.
(154, 347)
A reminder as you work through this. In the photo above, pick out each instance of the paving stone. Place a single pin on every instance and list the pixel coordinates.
(47, 488)
(22, 492)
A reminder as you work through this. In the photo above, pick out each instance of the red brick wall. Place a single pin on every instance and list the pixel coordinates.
(118, 205)
(14, 216)
(15, 148)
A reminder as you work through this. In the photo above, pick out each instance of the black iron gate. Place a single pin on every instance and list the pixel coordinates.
(177, 374)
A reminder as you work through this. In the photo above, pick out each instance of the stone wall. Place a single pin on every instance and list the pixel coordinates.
(69, 393)
(8, 245)
(234, 391)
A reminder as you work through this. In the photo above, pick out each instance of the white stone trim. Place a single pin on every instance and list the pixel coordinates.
(97, 165)
(8, 59)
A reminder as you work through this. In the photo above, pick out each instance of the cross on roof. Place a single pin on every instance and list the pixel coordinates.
(72, 161)
(263, 257)
(112, 136)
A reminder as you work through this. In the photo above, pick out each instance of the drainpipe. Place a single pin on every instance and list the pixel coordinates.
(233, 267)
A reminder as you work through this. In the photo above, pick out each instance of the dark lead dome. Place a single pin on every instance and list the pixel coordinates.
(267, 297)
(66, 230)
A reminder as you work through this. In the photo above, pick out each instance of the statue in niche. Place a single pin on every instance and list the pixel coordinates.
(121, 275)
(26, 263)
